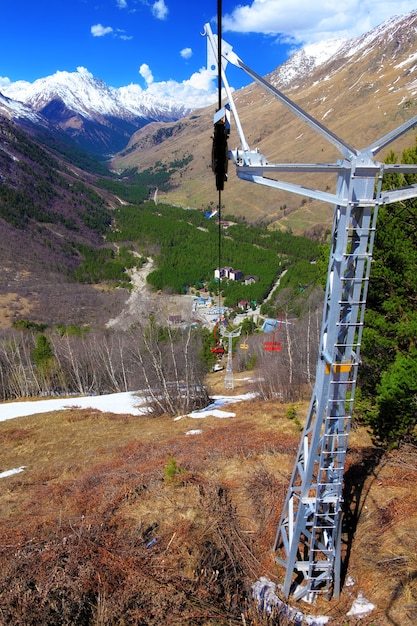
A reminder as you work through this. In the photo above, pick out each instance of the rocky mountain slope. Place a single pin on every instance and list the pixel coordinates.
(99, 118)
(48, 207)
(360, 89)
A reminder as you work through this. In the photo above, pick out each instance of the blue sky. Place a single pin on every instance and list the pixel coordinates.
(157, 43)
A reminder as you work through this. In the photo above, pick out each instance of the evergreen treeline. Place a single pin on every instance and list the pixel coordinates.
(106, 264)
(188, 244)
(387, 396)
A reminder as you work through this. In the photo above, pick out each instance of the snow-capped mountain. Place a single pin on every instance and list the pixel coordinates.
(82, 93)
(360, 89)
(98, 117)
(304, 61)
(12, 109)
(389, 39)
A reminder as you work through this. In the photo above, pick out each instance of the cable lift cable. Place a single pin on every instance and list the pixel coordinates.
(220, 152)
(219, 106)
(220, 157)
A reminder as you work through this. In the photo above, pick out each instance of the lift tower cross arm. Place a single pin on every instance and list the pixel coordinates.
(308, 539)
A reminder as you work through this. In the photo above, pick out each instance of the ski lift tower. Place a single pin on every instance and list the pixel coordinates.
(308, 540)
(229, 379)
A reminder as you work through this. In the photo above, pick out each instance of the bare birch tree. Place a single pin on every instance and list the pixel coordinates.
(169, 362)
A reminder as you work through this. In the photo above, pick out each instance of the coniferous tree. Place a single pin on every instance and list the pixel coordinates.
(389, 349)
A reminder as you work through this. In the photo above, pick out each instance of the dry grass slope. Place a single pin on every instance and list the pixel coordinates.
(128, 520)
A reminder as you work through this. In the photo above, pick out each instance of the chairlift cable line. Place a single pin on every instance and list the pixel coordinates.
(219, 93)
(220, 152)
(219, 53)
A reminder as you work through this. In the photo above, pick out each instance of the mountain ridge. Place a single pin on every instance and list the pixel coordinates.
(362, 91)
(102, 119)
(359, 100)
(98, 117)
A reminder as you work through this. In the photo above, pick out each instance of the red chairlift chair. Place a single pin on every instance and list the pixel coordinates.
(218, 348)
(274, 345)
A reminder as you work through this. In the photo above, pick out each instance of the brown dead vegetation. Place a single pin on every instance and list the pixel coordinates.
(97, 531)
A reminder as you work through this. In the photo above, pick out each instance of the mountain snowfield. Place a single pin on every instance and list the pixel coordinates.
(15, 109)
(305, 60)
(102, 118)
(81, 92)
(89, 96)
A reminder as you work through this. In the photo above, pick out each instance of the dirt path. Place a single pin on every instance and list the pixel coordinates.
(143, 301)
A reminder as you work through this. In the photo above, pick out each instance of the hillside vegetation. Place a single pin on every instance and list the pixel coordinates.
(188, 243)
(118, 519)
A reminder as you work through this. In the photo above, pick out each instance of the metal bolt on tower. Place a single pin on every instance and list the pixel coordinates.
(308, 540)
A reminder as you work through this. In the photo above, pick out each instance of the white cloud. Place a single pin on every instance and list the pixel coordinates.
(200, 90)
(186, 53)
(308, 22)
(197, 91)
(160, 9)
(4, 81)
(98, 30)
(121, 34)
(146, 73)
(122, 4)
(201, 81)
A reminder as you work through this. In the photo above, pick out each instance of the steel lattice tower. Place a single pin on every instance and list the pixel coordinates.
(308, 540)
(229, 378)
(308, 537)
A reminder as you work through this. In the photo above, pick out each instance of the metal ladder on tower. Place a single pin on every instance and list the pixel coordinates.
(308, 537)
(308, 540)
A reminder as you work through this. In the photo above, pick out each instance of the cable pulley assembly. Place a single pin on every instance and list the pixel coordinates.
(220, 152)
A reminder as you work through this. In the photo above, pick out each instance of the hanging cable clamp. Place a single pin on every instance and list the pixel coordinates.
(220, 154)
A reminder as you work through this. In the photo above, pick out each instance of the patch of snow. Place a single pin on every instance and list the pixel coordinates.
(215, 413)
(120, 403)
(323, 50)
(264, 591)
(17, 470)
(361, 607)
(214, 408)
(327, 113)
(410, 59)
(127, 402)
(196, 431)
(303, 61)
